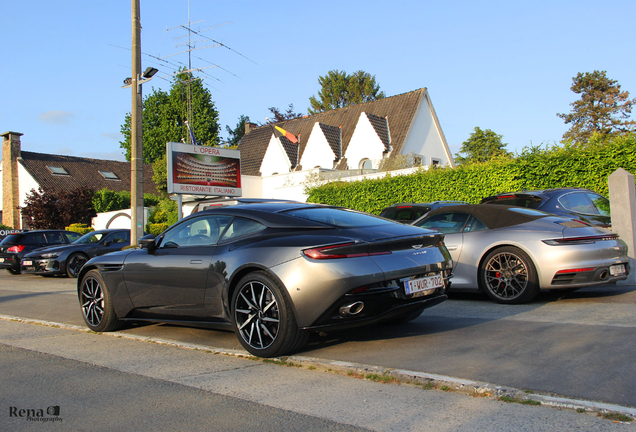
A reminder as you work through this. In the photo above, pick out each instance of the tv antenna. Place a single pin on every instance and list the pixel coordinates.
(191, 45)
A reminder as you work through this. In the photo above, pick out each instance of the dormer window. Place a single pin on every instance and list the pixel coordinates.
(57, 170)
(109, 175)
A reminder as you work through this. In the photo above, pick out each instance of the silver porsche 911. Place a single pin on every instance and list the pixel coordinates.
(510, 253)
(272, 272)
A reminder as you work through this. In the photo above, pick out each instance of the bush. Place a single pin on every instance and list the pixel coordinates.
(106, 200)
(156, 228)
(79, 228)
(164, 213)
(57, 209)
(535, 168)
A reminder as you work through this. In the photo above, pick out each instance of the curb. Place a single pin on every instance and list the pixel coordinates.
(380, 374)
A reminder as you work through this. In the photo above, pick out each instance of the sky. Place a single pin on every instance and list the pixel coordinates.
(500, 65)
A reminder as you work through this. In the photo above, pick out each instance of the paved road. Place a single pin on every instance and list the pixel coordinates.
(579, 346)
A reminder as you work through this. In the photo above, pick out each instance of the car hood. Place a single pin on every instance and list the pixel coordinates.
(60, 248)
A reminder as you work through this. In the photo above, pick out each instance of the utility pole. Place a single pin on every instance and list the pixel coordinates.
(136, 140)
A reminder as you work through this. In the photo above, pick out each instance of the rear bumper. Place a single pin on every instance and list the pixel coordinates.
(597, 276)
(390, 308)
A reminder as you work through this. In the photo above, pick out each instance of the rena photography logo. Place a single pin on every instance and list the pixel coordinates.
(50, 414)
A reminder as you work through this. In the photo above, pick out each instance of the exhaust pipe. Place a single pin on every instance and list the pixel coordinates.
(604, 276)
(351, 309)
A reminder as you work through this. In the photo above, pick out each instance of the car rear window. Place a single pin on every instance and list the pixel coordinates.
(405, 213)
(340, 218)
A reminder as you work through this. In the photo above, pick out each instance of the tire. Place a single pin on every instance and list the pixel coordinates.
(508, 276)
(74, 264)
(263, 319)
(13, 272)
(97, 307)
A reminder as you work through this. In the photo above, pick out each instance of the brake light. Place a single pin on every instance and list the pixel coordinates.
(323, 252)
(16, 249)
(578, 270)
(404, 207)
(580, 240)
(506, 196)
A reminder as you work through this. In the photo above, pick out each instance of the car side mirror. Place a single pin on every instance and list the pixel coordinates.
(148, 242)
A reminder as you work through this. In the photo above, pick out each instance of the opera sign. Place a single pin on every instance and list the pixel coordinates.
(201, 170)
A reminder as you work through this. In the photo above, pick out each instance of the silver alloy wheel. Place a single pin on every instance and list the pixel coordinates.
(256, 315)
(92, 300)
(506, 275)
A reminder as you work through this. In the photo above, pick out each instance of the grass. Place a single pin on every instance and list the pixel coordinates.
(510, 399)
(616, 417)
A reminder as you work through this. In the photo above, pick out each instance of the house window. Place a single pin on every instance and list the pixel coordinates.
(57, 170)
(436, 162)
(109, 175)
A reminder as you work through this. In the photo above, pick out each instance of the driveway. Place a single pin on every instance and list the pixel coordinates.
(579, 345)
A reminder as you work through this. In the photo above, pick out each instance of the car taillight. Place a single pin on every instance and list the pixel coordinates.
(326, 252)
(578, 270)
(580, 240)
(16, 249)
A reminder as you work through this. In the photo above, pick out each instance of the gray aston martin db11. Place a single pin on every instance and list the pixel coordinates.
(272, 272)
(512, 252)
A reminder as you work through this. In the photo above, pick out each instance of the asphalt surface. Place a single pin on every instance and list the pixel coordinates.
(579, 346)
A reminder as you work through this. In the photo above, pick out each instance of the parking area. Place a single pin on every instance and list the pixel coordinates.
(577, 345)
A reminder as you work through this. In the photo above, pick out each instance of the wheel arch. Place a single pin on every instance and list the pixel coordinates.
(243, 271)
(521, 247)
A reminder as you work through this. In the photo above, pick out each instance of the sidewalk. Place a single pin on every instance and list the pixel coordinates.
(332, 391)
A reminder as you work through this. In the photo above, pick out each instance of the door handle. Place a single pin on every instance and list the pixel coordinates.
(450, 248)
(196, 261)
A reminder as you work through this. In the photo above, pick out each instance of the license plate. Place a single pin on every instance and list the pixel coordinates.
(27, 263)
(617, 270)
(425, 285)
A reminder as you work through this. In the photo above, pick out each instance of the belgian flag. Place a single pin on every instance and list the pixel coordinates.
(279, 132)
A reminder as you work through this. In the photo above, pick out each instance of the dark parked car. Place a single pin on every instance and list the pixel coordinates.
(408, 212)
(511, 253)
(272, 272)
(580, 203)
(69, 259)
(15, 246)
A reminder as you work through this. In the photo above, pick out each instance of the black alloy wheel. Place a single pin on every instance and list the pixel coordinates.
(74, 264)
(97, 309)
(13, 272)
(508, 275)
(263, 319)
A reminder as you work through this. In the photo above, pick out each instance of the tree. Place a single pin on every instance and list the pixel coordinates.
(235, 135)
(339, 89)
(287, 115)
(602, 110)
(58, 209)
(481, 147)
(165, 114)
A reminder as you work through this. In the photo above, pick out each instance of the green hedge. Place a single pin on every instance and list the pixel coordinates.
(534, 168)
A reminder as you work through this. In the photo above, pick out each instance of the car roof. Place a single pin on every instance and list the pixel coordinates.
(423, 204)
(541, 191)
(494, 215)
(269, 213)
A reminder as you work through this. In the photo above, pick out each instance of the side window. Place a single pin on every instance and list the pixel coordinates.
(474, 224)
(241, 227)
(36, 239)
(54, 238)
(601, 203)
(447, 223)
(578, 202)
(200, 231)
(120, 237)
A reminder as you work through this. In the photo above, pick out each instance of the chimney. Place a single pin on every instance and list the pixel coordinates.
(249, 126)
(10, 185)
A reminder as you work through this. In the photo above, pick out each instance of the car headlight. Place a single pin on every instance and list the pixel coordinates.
(50, 255)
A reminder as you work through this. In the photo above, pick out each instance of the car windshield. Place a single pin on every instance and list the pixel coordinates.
(92, 237)
(340, 218)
